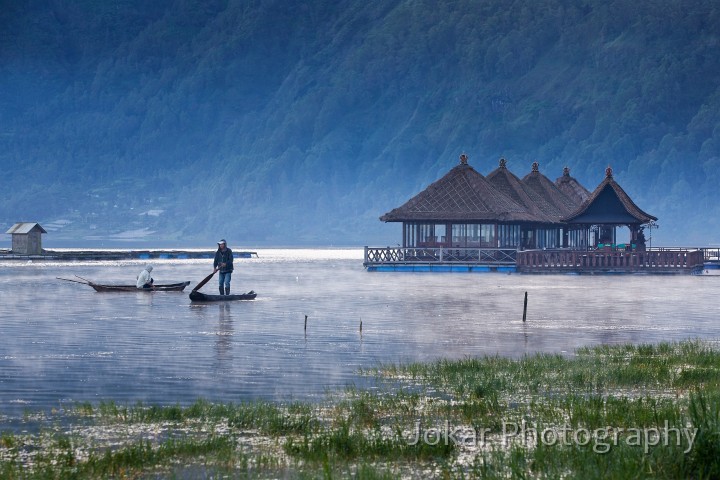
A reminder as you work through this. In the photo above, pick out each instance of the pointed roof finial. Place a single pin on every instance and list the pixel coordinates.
(608, 172)
(503, 162)
(463, 159)
(535, 167)
(566, 171)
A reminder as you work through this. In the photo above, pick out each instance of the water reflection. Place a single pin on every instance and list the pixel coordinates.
(225, 331)
(65, 342)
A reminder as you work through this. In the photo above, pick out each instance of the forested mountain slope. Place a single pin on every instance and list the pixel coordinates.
(276, 122)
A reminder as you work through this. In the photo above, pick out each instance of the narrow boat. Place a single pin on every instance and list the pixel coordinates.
(160, 287)
(104, 287)
(196, 296)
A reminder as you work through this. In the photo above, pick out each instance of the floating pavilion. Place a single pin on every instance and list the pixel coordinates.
(465, 221)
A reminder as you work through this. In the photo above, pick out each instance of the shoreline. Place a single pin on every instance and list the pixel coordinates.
(118, 254)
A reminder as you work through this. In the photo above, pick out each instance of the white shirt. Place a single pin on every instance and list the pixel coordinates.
(143, 278)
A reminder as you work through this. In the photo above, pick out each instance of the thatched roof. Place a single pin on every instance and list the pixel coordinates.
(572, 188)
(462, 194)
(507, 183)
(609, 204)
(559, 204)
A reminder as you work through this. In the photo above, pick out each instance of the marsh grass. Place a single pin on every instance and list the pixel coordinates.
(58, 460)
(671, 367)
(345, 443)
(362, 433)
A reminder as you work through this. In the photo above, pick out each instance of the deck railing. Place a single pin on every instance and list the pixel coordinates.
(415, 255)
(601, 260)
(712, 254)
(658, 260)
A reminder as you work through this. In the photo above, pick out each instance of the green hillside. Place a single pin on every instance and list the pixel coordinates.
(276, 122)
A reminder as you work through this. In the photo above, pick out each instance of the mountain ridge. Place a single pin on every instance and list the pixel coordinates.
(302, 123)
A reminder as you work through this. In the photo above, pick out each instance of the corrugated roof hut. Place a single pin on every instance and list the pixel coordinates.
(26, 238)
(572, 188)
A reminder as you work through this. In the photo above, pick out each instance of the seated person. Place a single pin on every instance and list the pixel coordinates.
(144, 280)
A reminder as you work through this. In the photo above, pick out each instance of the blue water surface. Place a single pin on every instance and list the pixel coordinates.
(62, 342)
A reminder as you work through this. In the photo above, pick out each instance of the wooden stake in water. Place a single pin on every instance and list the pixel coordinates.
(525, 308)
(361, 325)
(306, 322)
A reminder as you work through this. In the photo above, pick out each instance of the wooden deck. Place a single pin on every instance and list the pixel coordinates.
(439, 259)
(655, 261)
(605, 261)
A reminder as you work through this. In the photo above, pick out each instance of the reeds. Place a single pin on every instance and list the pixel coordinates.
(450, 419)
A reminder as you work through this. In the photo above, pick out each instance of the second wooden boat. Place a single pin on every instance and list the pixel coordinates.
(196, 296)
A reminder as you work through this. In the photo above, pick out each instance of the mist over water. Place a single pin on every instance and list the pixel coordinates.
(62, 342)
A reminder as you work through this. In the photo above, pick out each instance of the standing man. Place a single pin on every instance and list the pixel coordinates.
(224, 263)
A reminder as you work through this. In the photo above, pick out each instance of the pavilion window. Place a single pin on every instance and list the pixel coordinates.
(459, 235)
(577, 239)
(488, 236)
(548, 238)
(441, 232)
(474, 234)
(508, 236)
(428, 234)
(551, 237)
(410, 231)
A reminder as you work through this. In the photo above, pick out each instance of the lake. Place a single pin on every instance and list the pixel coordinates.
(62, 342)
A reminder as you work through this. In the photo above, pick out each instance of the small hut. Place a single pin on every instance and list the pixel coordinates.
(26, 238)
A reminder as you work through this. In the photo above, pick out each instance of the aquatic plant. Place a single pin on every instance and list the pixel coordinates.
(605, 412)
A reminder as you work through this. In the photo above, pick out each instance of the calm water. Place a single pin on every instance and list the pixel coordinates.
(63, 342)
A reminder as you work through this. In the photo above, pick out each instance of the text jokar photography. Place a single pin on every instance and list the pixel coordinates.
(526, 434)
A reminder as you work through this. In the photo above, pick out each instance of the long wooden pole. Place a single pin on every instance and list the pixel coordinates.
(74, 281)
(203, 282)
(525, 307)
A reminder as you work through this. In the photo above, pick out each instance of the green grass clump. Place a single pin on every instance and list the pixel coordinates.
(672, 367)
(346, 443)
(59, 461)
(606, 392)
(704, 413)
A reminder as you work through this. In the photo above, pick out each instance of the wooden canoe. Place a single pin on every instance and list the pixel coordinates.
(158, 287)
(103, 287)
(201, 297)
